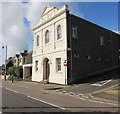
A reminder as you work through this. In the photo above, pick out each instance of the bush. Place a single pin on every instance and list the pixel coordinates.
(11, 71)
(19, 72)
(15, 71)
(14, 78)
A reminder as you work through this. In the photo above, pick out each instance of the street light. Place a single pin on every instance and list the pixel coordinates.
(5, 61)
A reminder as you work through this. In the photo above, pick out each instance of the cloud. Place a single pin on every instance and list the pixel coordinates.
(14, 32)
(18, 20)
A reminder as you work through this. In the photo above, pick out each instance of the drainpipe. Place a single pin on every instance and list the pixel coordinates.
(71, 46)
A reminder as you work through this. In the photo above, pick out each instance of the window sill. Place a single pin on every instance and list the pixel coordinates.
(58, 71)
(58, 40)
(47, 44)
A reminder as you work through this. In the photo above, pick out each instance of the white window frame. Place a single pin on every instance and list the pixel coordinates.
(58, 65)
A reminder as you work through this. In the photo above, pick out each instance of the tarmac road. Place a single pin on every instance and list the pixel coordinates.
(14, 102)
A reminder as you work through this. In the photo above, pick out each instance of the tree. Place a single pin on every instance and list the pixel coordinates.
(18, 72)
(11, 71)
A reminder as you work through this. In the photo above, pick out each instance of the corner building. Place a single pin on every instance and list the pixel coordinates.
(61, 37)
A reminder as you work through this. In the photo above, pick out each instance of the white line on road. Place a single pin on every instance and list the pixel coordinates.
(102, 83)
(46, 102)
(12, 90)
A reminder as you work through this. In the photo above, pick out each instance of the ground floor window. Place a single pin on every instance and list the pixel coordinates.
(58, 64)
(36, 65)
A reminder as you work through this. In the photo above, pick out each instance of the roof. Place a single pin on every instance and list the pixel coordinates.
(17, 55)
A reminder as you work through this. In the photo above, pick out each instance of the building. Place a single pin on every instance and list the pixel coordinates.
(27, 67)
(16, 60)
(19, 59)
(68, 48)
(24, 62)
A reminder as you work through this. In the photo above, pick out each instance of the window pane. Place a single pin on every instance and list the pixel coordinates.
(102, 40)
(74, 32)
(36, 65)
(47, 37)
(58, 32)
(37, 40)
(58, 62)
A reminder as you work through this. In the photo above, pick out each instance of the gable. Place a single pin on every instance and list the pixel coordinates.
(47, 9)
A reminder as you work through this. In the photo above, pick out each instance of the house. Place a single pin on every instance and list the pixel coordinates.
(24, 62)
(16, 60)
(68, 48)
(27, 67)
(19, 59)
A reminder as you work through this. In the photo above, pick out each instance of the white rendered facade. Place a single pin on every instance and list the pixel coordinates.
(46, 55)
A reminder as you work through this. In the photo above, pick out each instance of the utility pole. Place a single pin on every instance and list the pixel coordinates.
(5, 61)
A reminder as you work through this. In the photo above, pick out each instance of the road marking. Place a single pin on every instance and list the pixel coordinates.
(102, 83)
(46, 102)
(12, 90)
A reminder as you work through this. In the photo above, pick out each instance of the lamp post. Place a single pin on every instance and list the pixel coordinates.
(5, 61)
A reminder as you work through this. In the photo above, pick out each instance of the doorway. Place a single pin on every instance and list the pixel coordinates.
(46, 70)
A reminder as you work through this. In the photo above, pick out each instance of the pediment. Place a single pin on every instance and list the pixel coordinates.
(47, 9)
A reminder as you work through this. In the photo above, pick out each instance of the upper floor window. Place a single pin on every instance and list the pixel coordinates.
(20, 60)
(101, 40)
(37, 41)
(74, 32)
(58, 32)
(47, 37)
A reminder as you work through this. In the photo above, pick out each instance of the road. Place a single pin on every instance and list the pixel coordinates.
(39, 97)
(14, 102)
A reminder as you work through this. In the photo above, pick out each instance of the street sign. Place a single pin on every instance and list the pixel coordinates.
(65, 63)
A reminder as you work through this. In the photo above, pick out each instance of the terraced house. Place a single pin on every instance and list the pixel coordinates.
(68, 48)
(24, 61)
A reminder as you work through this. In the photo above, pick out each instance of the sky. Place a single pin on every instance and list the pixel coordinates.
(19, 18)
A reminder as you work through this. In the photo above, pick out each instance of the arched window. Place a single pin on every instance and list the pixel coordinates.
(37, 41)
(47, 37)
(58, 32)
